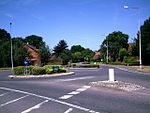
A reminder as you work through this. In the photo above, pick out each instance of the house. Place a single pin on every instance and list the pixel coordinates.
(55, 59)
(96, 56)
(34, 57)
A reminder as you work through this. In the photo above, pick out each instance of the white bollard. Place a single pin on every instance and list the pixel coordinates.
(111, 75)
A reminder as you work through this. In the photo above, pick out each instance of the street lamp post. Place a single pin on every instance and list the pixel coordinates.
(140, 46)
(11, 51)
(107, 48)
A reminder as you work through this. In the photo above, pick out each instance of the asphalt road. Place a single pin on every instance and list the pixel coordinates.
(72, 94)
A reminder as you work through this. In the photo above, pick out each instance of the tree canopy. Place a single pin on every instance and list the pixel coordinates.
(60, 47)
(35, 41)
(116, 41)
(4, 48)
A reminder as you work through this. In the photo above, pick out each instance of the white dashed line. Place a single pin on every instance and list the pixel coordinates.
(69, 110)
(65, 97)
(34, 107)
(74, 93)
(13, 101)
(79, 78)
(50, 99)
(4, 94)
(69, 95)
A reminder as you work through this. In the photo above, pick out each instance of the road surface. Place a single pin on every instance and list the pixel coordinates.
(72, 94)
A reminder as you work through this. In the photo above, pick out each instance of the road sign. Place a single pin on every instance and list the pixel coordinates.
(26, 62)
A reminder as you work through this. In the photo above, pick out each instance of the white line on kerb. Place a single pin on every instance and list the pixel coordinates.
(13, 101)
(34, 107)
(50, 99)
(69, 110)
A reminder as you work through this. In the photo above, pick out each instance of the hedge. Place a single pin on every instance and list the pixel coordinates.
(37, 70)
(88, 66)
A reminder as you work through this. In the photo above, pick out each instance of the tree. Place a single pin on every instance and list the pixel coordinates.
(4, 48)
(19, 51)
(66, 55)
(77, 57)
(77, 48)
(116, 41)
(61, 46)
(122, 53)
(88, 54)
(45, 54)
(35, 41)
(145, 42)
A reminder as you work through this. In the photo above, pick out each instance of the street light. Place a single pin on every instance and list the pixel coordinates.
(140, 47)
(11, 50)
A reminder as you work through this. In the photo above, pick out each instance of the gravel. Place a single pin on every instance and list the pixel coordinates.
(117, 85)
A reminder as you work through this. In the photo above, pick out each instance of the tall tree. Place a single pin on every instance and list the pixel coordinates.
(19, 51)
(45, 54)
(4, 48)
(77, 48)
(116, 41)
(145, 42)
(35, 41)
(61, 46)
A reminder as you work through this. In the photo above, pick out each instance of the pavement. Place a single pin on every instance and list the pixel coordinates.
(73, 94)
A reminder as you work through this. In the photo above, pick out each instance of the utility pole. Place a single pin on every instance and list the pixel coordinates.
(12, 65)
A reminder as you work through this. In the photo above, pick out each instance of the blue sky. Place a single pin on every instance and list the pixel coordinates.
(83, 22)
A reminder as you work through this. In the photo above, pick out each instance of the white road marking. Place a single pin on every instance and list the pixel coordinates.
(74, 93)
(34, 107)
(4, 94)
(69, 110)
(69, 95)
(13, 101)
(51, 99)
(79, 78)
(65, 97)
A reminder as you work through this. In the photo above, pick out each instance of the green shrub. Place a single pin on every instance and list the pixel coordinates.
(117, 63)
(19, 70)
(54, 63)
(88, 66)
(38, 70)
(49, 69)
(86, 63)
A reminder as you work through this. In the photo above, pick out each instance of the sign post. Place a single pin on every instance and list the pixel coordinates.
(111, 75)
(26, 70)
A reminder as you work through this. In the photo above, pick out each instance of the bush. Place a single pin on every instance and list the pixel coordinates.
(38, 70)
(131, 61)
(54, 63)
(19, 70)
(117, 63)
(88, 66)
(86, 63)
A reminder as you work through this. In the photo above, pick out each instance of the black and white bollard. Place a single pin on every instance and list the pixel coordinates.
(111, 75)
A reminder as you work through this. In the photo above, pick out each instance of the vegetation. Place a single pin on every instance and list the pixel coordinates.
(117, 48)
(145, 43)
(37, 70)
(116, 41)
(86, 66)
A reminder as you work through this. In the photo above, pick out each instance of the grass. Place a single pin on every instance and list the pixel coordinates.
(5, 68)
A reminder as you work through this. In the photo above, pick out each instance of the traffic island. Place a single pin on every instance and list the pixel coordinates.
(117, 85)
(40, 76)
